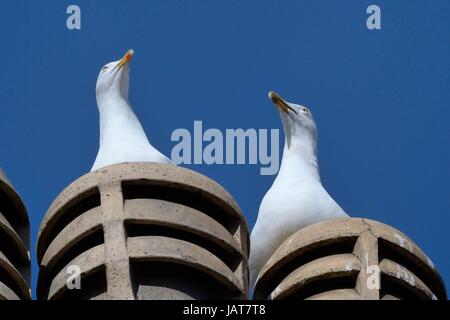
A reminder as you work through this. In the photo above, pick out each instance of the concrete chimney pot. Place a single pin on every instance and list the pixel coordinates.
(15, 266)
(334, 260)
(144, 231)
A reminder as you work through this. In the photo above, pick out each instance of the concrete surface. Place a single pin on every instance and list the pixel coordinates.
(338, 259)
(15, 266)
(144, 231)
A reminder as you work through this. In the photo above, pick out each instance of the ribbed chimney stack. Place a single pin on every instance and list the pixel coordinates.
(144, 231)
(14, 244)
(342, 259)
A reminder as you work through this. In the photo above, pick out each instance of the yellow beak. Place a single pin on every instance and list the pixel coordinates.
(280, 102)
(126, 59)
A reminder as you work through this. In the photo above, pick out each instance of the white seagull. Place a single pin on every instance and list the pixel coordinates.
(122, 138)
(297, 197)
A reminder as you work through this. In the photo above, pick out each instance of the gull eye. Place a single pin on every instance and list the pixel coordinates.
(104, 68)
(305, 110)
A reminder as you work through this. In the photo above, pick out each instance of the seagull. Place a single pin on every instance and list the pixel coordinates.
(122, 138)
(297, 198)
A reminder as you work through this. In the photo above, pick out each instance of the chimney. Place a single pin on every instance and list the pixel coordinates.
(14, 244)
(142, 231)
(349, 259)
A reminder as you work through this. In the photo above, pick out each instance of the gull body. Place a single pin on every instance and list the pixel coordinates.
(297, 197)
(122, 138)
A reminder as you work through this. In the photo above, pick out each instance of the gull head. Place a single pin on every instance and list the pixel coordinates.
(113, 79)
(298, 121)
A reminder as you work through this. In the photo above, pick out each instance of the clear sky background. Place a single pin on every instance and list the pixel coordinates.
(381, 98)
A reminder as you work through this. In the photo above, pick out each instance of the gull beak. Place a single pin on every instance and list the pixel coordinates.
(126, 59)
(280, 102)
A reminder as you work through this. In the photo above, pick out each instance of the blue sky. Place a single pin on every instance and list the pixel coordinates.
(381, 98)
